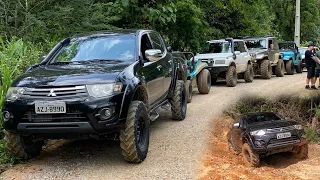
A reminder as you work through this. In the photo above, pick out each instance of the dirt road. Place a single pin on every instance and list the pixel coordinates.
(176, 148)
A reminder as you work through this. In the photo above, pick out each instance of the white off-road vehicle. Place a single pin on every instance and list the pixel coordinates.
(228, 59)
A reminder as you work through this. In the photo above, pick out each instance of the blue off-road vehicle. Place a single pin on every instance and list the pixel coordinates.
(197, 75)
(291, 57)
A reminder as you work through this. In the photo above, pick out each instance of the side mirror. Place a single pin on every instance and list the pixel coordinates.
(237, 53)
(169, 48)
(153, 54)
(42, 58)
(236, 125)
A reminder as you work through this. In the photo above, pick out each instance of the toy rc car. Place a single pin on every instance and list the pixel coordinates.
(261, 134)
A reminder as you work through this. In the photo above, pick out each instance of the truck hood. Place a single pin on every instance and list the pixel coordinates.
(213, 56)
(270, 124)
(287, 52)
(257, 50)
(72, 74)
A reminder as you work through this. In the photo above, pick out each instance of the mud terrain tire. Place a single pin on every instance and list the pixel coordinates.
(19, 146)
(266, 70)
(299, 67)
(302, 153)
(249, 74)
(231, 145)
(249, 158)
(189, 90)
(204, 81)
(290, 67)
(179, 102)
(280, 68)
(231, 76)
(134, 138)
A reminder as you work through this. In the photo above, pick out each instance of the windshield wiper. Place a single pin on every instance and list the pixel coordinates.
(61, 63)
(103, 60)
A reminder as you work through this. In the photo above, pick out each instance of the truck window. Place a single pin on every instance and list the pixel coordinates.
(270, 41)
(145, 45)
(156, 41)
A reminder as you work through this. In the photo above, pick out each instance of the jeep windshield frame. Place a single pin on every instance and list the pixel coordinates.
(103, 48)
(287, 46)
(256, 43)
(217, 47)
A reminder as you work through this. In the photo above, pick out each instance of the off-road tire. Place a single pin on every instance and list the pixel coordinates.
(265, 69)
(179, 102)
(290, 67)
(299, 67)
(279, 68)
(204, 81)
(19, 147)
(249, 74)
(302, 152)
(249, 157)
(231, 145)
(189, 91)
(134, 150)
(231, 76)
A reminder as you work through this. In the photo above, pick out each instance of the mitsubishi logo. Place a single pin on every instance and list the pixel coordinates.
(52, 94)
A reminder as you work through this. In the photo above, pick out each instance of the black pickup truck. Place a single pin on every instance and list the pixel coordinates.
(96, 85)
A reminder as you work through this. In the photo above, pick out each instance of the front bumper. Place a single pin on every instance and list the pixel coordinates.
(81, 117)
(216, 70)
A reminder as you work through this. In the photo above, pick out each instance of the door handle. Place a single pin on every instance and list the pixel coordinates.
(159, 67)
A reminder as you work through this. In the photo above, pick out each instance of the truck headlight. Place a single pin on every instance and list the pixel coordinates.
(299, 127)
(103, 90)
(14, 93)
(260, 132)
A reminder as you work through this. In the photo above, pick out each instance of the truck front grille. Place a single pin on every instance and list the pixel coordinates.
(281, 129)
(282, 142)
(69, 93)
(70, 116)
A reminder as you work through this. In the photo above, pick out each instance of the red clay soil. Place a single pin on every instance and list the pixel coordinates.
(220, 163)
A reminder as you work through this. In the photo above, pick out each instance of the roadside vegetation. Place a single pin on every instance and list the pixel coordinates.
(302, 109)
(29, 28)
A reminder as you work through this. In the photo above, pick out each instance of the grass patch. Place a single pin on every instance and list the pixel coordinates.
(304, 110)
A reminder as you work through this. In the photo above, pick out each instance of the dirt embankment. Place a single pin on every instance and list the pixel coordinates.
(221, 163)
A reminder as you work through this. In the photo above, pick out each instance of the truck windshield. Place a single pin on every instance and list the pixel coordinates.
(286, 46)
(257, 43)
(217, 47)
(258, 118)
(86, 49)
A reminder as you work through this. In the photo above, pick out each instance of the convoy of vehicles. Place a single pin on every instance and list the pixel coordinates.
(265, 56)
(227, 59)
(110, 84)
(262, 134)
(291, 57)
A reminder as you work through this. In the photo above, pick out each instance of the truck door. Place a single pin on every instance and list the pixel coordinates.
(166, 61)
(151, 71)
(240, 58)
(271, 49)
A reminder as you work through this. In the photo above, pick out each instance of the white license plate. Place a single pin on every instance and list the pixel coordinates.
(50, 107)
(283, 135)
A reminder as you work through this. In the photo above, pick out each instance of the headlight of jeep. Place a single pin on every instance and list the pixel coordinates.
(258, 132)
(14, 93)
(103, 90)
(220, 62)
(299, 127)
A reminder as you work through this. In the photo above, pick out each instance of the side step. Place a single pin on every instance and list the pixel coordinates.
(154, 115)
(166, 106)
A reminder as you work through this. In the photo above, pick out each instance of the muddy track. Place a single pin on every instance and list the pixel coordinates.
(176, 148)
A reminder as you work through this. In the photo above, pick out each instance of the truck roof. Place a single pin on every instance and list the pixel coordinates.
(222, 40)
(111, 32)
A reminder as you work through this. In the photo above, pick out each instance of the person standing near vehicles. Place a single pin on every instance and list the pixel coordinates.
(311, 62)
(318, 68)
